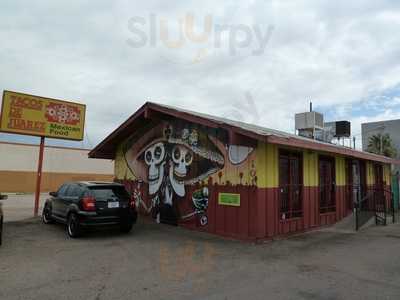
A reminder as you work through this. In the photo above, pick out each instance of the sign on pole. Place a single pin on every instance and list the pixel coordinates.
(43, 117)
(39, 116)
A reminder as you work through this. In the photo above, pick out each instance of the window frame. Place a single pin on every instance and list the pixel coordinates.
(65, 186)
(291, 210)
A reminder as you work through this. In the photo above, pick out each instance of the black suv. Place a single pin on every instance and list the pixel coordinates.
(2, 197)
(85, 204)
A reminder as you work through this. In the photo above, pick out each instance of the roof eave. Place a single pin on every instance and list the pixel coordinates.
(145, 109)
(204, 121)
(330, 148)
(148, 107)
(97, 153)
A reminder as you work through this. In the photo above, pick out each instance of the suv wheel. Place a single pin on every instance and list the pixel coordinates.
(46, 215)
(126, 228)
(73, 226)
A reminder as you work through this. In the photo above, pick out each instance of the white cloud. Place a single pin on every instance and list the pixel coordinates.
(336, 53)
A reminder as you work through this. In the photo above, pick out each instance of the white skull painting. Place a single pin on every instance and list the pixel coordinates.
(154, 158)
(182, 158)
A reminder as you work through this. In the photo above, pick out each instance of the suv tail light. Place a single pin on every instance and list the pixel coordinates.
(89, 203)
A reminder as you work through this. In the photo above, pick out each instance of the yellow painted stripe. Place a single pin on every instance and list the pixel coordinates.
(261, 164)
(310, 168)
(267, 165)
(387, 174)
(340, 169)
(121, 169)
(267, 168)
(370, 173)
(272, 166)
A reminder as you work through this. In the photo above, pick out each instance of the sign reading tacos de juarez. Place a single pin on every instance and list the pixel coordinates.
(229, 199)
(34, 115)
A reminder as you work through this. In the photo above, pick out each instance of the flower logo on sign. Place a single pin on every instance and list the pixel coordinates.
(62, 113)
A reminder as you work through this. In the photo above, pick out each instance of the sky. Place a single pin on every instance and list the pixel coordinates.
(255, 61)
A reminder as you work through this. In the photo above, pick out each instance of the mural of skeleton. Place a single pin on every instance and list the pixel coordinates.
(172, 156)
(168, 158)
(155, 160)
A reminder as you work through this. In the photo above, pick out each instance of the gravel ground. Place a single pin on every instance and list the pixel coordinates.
(38, 261)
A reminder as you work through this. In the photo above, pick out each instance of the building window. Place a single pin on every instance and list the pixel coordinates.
(327, 199)
(290, 185)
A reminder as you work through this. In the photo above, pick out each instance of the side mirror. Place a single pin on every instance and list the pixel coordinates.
(53, 194)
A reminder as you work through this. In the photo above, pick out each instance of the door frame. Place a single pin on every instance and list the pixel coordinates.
(379, 180)
(332, 160)
(292, 187)
(352, 191)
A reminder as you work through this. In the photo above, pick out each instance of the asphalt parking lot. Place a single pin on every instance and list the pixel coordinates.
(20, 207)
(38, 261)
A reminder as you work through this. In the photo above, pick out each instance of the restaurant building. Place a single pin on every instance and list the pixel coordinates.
(236, 179)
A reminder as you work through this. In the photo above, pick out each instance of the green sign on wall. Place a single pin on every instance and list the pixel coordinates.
(229, 199)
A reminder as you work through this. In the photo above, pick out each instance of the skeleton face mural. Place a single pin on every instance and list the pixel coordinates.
(182, 158)
(154, 158)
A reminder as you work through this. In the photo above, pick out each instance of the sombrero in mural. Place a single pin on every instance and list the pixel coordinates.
(187, 149)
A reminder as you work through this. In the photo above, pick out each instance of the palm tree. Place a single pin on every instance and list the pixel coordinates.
(381, 144)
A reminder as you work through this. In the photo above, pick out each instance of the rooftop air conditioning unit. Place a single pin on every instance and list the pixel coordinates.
(309, 121)
(324, 135)
(339, 129)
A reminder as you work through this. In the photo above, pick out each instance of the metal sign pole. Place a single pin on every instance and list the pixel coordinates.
(39, 176)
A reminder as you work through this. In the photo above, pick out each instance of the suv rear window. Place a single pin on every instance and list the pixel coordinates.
(73, 190)
(109, 192)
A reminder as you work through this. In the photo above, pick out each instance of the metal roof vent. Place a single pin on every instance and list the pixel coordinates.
(308, 123)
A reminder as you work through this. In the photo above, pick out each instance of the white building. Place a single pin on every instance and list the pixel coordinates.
(19, 162)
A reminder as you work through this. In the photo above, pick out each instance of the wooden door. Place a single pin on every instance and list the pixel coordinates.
(352, 183)
(327, 201)
(363, 179)
(290, 183)
(378, 173)
(296, 184)
(379, 190)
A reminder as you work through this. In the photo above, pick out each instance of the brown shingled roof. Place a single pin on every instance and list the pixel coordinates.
(142, 117)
